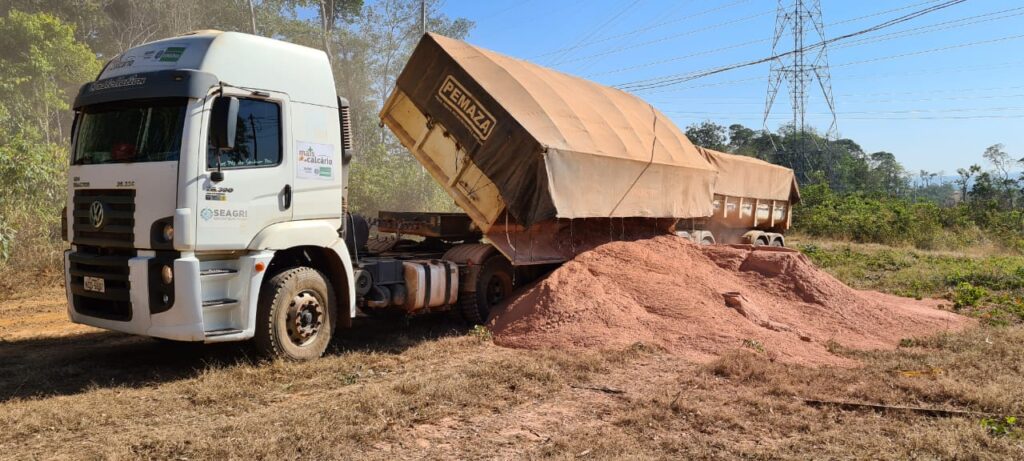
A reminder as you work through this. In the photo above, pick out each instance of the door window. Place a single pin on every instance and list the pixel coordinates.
(257, 137)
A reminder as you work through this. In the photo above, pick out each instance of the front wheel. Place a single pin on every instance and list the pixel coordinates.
(295, 317)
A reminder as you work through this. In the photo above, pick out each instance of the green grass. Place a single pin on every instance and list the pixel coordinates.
(989, 287)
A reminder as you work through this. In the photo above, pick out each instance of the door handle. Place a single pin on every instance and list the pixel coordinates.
(287, 196)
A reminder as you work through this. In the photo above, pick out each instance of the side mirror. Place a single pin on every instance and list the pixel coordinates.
(224, 122)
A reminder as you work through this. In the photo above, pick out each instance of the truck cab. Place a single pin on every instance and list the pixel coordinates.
(202, 167)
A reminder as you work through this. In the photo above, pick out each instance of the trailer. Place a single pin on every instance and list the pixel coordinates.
(548, 165)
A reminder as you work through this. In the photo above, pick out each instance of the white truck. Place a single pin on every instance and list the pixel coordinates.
(207, 193)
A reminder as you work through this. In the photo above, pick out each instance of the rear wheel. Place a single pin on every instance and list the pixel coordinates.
(494, 283)
(777, 243)
(760, 242)
(295, 317)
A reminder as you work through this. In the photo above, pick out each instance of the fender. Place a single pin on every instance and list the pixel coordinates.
(284, 235)
(750, 236)
(321, 233)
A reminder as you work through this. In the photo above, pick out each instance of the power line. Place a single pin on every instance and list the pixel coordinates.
(872, 112)
(953, 24)
(681, 78)
(755, 102)
(593, 32)
(929, 117)
(934, 50)
(950, 117)
(621, 49)
(752, 42)
(665, 38)
(680, 58)
(645, 29)
(630, 40)
(516, 4)
(879, 13)
(929, 71)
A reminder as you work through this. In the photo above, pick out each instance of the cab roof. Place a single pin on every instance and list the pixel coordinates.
(236, 59)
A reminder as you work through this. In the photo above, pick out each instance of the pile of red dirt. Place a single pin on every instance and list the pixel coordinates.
(702, 301)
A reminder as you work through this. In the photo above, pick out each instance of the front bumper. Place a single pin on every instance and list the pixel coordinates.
(181, 320)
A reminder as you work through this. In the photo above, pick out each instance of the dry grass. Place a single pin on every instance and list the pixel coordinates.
(432, 390)
(36, 251)
(975, 250)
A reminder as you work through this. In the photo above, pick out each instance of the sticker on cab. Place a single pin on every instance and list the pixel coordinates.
(315, 161)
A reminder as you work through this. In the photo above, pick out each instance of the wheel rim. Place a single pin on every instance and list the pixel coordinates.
(495, 291)
(305, 317)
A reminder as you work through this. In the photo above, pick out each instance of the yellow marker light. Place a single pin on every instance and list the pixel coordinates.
(167, 275)
(168, 232)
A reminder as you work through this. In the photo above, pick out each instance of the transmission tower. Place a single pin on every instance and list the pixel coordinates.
(801, 66)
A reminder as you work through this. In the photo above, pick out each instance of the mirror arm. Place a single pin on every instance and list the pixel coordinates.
(217, 176)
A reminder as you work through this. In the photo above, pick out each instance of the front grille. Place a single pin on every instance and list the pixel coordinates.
(117, 227)
(109, 264)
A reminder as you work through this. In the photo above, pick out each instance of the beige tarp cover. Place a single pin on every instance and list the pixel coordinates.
(748, 177)
(557, 145)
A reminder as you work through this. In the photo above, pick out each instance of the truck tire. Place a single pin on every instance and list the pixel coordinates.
(295, 316)
(494, 283)
(777, 242)
(760, 242)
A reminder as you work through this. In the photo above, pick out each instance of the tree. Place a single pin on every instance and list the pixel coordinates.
(740, 137)
(41, 63)
(40, 67)
(1002, 164)
(709, 135)
(999, 159)
(887, 175)
(388, 30)
(964, 180)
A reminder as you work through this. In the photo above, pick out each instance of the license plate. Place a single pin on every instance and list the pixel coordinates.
(94, 284)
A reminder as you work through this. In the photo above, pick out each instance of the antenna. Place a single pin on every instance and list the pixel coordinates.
(800, 69)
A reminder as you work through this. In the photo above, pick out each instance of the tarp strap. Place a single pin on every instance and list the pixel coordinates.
(654, 142)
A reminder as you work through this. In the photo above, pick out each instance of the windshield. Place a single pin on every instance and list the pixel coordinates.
(130, 131)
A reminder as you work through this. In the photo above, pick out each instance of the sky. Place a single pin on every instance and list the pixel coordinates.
(935, 91)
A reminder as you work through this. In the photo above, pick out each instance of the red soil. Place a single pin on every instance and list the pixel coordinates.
(700, 302)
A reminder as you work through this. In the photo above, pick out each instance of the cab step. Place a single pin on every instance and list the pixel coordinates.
(219, 303)
(222, 332)
(217, 273)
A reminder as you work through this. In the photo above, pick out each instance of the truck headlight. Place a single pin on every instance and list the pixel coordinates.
(168, 233)
(167, 275)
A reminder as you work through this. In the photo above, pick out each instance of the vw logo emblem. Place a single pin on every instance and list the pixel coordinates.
(96, 214)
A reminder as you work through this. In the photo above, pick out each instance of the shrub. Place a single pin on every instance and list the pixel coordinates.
(967, 295)
(900, 221)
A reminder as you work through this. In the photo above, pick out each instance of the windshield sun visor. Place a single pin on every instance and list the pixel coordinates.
(177, 83)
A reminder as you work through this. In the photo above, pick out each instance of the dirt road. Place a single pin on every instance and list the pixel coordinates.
(433, 390)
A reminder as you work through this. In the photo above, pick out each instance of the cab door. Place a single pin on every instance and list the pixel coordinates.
(256, 190)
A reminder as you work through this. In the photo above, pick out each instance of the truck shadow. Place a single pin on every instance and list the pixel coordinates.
(68, 365)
